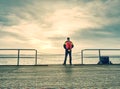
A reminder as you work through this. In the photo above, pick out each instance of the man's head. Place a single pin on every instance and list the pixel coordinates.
(68, 38)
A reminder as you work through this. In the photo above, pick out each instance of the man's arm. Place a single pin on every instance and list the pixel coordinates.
(72, 45)
(64, 45)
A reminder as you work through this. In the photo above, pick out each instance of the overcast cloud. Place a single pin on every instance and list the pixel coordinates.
(45, 24)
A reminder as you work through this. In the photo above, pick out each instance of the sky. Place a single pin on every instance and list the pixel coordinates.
(45, 24)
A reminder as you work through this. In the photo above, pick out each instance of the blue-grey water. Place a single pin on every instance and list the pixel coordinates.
(25, 59)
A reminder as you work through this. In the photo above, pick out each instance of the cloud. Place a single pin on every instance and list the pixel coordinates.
(104, 37)
(6, 33)
(8, 13)
(45, 24)
(112, 8)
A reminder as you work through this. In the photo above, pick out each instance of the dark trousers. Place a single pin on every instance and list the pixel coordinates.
(68, 52)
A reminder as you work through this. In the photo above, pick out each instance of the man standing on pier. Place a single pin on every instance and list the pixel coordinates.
(68, 45)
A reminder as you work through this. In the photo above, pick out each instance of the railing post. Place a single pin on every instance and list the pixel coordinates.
(35, 57)
(18, 57)
(99, 54)
(81, 56)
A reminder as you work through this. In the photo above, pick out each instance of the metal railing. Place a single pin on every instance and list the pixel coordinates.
(99, 52)
(19, 55)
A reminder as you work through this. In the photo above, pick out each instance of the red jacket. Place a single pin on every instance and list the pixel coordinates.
(68, 45)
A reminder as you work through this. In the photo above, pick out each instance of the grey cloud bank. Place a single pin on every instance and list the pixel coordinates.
(45, 24)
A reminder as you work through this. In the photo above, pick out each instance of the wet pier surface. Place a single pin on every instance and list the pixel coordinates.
(60, 77)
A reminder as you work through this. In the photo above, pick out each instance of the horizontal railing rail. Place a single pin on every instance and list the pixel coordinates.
(18, 55)
(99, 52)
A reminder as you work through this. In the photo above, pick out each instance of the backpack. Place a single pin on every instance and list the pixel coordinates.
(68, 45)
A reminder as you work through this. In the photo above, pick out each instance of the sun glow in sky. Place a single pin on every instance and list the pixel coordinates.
(45, 24)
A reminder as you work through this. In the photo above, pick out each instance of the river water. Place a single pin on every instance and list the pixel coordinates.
(51, 59)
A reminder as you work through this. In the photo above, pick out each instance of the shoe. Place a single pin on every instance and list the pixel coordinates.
(64, 64)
